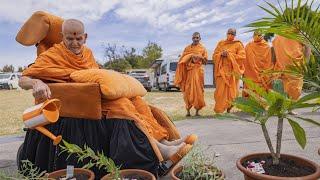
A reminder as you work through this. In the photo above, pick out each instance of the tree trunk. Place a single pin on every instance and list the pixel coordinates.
(275, 159)
(279, 136)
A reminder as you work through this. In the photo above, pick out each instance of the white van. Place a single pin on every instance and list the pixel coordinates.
(9, 80)
(167, 74)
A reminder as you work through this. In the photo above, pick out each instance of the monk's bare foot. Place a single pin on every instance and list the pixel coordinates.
(293, 113)
(188, 113)
(171, 151)
(173, 143)
(197, 113)
(229, 109)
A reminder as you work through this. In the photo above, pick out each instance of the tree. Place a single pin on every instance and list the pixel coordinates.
(115, 58)
(150, 53)
(20, 69)
(8, 68)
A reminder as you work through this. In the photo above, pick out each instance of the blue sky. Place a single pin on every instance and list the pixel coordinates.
(132, 23)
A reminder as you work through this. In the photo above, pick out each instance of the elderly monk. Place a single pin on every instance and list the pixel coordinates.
(189, 75)
(228, 59)
(121, 139)
(258, 61)
(287, 53)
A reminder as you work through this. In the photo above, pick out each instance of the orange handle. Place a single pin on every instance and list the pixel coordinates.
(56, 139)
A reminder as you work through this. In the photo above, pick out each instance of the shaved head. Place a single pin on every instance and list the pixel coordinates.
(196, 38)
(72, 26)
(232, 31)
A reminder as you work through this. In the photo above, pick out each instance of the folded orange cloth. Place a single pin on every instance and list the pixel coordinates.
(41, 29)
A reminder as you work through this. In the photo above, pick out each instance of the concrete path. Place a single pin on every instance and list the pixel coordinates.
(231, 139)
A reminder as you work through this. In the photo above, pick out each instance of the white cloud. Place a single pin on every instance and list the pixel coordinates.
(20, 10)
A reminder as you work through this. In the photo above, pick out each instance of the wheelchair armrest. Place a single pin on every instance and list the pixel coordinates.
(78, 100)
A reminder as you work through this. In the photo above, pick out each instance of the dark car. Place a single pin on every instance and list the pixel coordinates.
(143, 77)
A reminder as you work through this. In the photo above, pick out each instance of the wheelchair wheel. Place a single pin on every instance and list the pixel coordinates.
(19, 156)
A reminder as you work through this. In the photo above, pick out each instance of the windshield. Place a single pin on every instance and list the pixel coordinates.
(173, 66)
(4, 76)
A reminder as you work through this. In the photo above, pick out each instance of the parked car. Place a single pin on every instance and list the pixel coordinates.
(142, 76)
(167, 75)
(9, 80)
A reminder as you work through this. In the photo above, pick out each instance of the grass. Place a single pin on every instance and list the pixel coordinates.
(12, 105)
(14, 102)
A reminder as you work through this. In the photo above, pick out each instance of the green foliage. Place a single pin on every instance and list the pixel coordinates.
(123, 58)
(150, 53)
(262, 105)
(95, 159)
(198, 166)
(301, 23)
(29, 171)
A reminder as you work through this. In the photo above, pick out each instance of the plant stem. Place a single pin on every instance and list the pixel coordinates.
(279, 135)
(268, 140)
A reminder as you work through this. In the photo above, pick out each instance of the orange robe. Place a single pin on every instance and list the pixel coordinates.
(287, 51)
(41, 29)
(190, 76)
(226, 72)
(258, 59)
(57, 63)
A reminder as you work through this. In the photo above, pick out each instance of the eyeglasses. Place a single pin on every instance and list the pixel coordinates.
(231, 33)
(195, 37)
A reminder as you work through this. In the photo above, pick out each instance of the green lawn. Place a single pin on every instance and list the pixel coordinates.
(14, 102)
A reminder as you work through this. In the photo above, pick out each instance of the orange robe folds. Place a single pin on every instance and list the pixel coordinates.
(190, 76)
(287, 51)
(258, 60)
(57, 63)
(227, 71)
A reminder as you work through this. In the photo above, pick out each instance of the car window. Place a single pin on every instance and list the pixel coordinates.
(164, 69)
(173, 66)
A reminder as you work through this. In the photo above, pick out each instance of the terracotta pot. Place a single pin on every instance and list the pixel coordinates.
(62, 172)
(248, 175)
(145, 174)
(175, 170)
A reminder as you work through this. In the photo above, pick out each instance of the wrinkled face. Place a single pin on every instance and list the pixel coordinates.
(231, 34)
(74, 41)
(196, 39)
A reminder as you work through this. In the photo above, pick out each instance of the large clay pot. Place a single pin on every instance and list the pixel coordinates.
(127, 172)
(248, 175)
(62, 172)
(175, 170)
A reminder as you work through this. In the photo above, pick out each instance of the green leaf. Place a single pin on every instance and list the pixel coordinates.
(298, 132)
(308, 120)
(311, 96)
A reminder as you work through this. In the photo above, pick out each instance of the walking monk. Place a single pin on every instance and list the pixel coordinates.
(258, 60)
(228, 60)
(287, 52)
(190, 76)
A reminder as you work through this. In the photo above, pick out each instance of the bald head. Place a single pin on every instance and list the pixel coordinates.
(72, 26)
(232, 31)
(196, 38)
(74, 36)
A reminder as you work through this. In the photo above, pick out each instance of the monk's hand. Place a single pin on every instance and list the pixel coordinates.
(224, 53)
(41, 90)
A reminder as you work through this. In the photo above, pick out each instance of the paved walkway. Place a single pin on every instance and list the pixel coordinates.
(231, 139)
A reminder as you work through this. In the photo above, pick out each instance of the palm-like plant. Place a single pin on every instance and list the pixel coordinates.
(300, 22)
(263, 104)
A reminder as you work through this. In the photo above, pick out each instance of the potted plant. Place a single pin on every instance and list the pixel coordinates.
(197, 165)
(101, 161)
(78, 174)
(262, 105)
